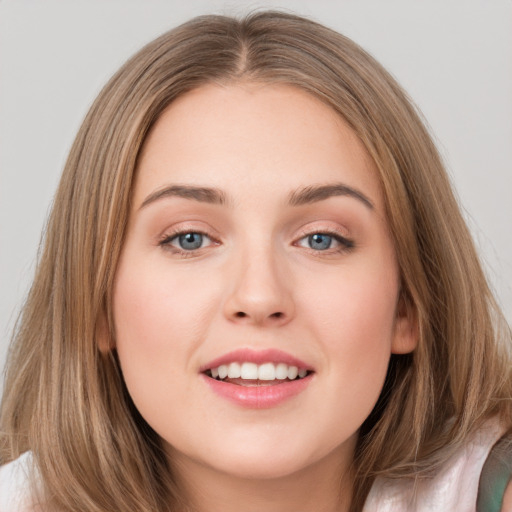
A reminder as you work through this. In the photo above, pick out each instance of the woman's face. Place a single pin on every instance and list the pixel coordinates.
(258, 246)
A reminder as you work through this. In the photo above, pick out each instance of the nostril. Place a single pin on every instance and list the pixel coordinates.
(277, 315)
(241, 314)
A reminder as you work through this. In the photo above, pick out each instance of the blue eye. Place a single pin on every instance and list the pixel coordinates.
(326, 242)
(190, 241)
(186, 241)
(320, 241)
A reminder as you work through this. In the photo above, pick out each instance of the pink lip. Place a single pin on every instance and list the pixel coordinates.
(258, 397)
(262, 396)
(256, 356)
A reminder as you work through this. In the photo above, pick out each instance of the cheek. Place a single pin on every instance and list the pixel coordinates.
(155, 308)
(354, 320)
(355, 310)
(160, 318)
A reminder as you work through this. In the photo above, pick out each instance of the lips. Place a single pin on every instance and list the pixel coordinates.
(257, 379)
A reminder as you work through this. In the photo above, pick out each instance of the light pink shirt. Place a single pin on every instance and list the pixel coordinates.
(14, 485)
(454, 489)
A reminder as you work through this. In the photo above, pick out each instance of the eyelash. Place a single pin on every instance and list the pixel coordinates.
(345, 244)
(165, 242)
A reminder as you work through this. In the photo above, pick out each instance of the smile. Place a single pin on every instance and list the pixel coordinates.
(257, 379)
(251, 374)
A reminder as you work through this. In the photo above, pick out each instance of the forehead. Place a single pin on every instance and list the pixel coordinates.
(245, 136)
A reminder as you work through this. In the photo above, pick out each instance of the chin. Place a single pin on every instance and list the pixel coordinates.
(267, 460)
(259, 467)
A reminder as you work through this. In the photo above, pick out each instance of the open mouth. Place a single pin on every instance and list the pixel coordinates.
(252, 374)
(257, 379)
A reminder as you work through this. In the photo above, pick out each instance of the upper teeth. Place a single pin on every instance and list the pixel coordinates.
(252, 371)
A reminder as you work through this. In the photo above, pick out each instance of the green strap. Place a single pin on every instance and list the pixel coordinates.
(496, 474)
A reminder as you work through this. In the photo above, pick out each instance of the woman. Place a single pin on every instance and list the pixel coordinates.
(256, 283)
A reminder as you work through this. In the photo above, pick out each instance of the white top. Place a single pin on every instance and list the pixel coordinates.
(454, 489)
(14, 485)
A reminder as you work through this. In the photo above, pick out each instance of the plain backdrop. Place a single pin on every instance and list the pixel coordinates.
(454, 57)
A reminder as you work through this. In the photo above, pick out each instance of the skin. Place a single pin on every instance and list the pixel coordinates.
(506, 505)
(257, 283)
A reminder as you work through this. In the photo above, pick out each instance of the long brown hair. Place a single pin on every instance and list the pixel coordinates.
(65, 399)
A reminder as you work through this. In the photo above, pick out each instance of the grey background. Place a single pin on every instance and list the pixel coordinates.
(454, 57)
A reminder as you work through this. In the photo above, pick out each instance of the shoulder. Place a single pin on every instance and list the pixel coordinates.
(15, 495)
(495, 490)
(454, 486)
(507, 499)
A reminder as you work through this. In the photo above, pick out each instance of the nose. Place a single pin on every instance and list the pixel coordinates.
(260, 291)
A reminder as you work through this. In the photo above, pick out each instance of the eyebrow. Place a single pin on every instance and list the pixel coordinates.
(312, 194)
(201, 194)
(303, 196)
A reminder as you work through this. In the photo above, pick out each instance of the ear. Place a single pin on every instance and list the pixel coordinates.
(406, 331)
(104, 340)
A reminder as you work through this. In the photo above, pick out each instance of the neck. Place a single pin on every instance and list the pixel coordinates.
(325, 486)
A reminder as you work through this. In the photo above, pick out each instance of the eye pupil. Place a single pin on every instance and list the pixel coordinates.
(191, 241)
(319, 241)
